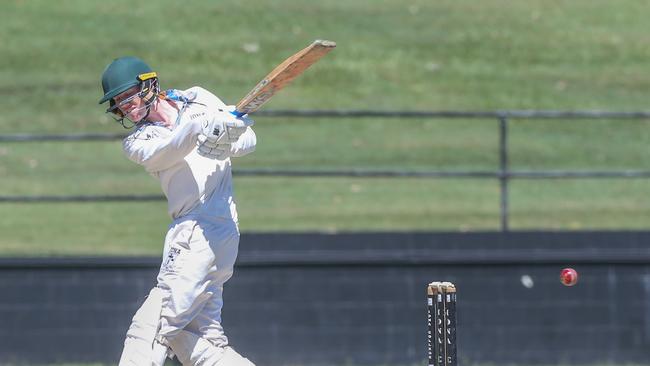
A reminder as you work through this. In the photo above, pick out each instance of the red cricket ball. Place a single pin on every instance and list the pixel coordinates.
(569, 277)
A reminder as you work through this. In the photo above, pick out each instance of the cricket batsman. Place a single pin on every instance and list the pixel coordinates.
(186, 139)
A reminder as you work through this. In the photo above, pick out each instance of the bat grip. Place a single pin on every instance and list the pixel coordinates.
(237, 113)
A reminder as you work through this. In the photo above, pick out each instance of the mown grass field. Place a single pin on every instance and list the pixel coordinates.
(404, 55)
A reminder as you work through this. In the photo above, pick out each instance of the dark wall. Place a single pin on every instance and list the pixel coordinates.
(359, 299)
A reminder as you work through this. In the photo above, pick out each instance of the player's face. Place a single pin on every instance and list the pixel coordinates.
(130, 104)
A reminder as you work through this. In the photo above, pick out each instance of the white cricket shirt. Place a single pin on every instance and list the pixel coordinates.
(194, 185)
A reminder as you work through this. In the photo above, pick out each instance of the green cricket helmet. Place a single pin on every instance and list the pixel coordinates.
(125, 73)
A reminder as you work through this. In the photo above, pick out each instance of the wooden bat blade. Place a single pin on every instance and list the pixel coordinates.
(282, 75)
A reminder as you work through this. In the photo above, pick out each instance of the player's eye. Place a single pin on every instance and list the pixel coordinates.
(115, 111)
(128, 100)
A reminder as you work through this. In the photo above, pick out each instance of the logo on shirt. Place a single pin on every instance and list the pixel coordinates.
(170, 260)
(144, 133)
(197, 115)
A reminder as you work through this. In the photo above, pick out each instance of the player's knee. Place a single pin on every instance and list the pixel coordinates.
(138, 352)
(191, 349)
(232, 358)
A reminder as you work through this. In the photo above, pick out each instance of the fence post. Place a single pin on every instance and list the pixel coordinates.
(503, 171)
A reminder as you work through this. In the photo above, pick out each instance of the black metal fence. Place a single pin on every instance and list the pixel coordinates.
(503, 174)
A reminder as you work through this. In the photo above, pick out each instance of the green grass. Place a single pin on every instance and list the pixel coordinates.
(411, 55)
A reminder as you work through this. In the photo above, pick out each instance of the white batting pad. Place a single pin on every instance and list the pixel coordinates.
(139, 346)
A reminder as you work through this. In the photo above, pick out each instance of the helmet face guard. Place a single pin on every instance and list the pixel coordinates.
(123, 74)
(149, 90)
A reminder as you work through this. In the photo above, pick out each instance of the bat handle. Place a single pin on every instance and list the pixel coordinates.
(237, 113)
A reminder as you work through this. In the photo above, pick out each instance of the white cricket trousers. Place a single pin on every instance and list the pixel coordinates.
(198, 258)
(184, 310)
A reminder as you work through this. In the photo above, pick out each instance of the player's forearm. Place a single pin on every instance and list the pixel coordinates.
(183, 140)
(157, 154)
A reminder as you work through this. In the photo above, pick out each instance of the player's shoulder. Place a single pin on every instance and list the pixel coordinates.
(203, 96)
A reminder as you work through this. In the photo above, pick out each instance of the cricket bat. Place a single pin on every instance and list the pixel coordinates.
(282, 75)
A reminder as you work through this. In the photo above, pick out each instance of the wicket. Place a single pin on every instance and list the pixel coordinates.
(441, 322)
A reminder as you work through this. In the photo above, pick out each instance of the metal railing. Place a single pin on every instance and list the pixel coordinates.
(503, 174)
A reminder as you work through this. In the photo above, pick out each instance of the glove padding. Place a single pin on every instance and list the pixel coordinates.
(220, 132)
(224, 128)
(213, 150)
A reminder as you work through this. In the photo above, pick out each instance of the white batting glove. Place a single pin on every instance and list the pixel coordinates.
(213, 150)
(220, 131)
(224, 127)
